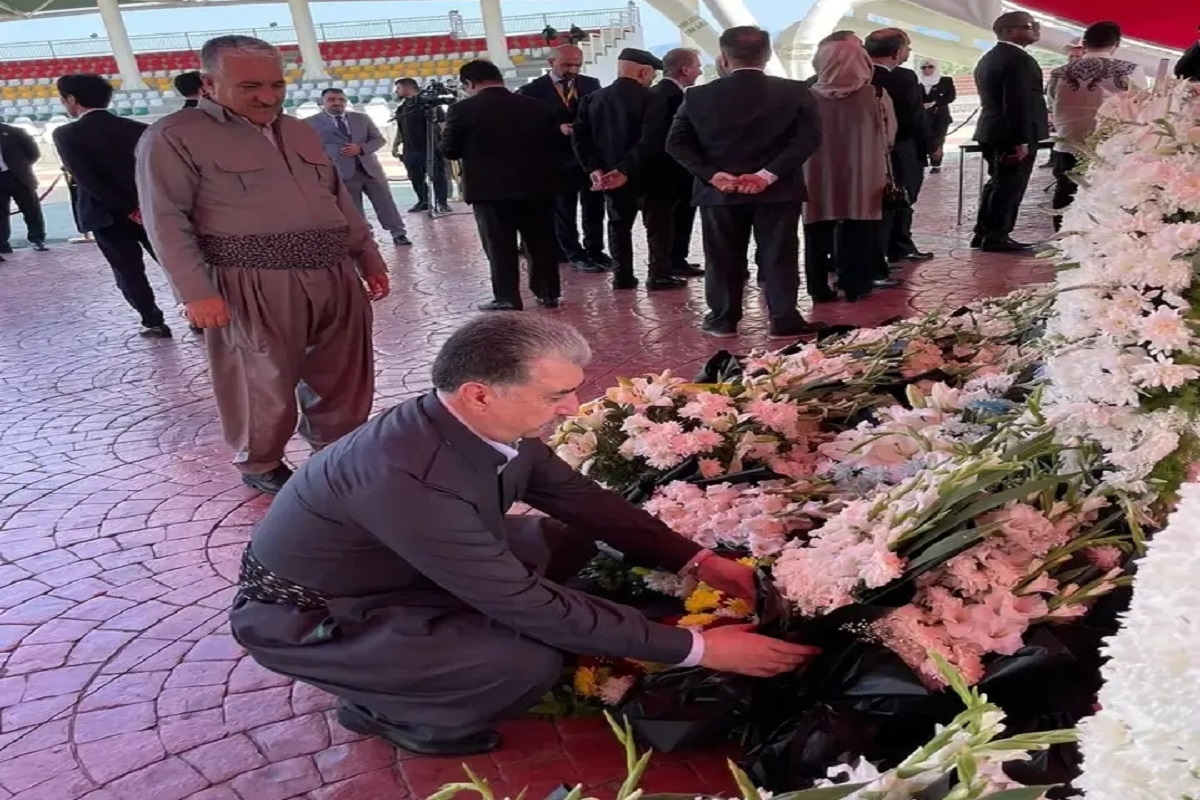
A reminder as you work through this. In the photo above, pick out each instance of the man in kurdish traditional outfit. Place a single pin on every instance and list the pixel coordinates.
(268, 254)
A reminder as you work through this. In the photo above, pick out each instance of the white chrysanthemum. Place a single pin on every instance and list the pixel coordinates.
(1145, 742)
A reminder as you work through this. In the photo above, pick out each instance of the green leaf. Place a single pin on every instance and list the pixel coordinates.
(454, 789)
(745, 786)
(985, 505)
(954, 679)
(941, 551)
(629, 787)
(1021, 793)
(824, 793)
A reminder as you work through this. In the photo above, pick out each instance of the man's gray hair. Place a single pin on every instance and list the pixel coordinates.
(675, 61)
(213, 49)
(498, 350)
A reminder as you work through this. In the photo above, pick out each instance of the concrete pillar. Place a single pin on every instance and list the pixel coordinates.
(690, 24)
(493, 32)
(684, 39)
(118, 38)
(797, 45)
(306, 39)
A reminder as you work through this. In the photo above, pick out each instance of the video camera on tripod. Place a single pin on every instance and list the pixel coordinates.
(436, 94)
(433, 99)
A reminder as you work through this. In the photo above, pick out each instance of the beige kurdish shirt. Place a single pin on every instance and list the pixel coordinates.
(206, 173)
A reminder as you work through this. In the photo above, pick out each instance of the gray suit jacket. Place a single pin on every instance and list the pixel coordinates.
(362, 132)
(408, 512)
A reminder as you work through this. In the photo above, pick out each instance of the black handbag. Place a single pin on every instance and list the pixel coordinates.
(895, 196)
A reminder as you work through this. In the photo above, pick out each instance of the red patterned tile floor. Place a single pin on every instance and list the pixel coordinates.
(122, 524)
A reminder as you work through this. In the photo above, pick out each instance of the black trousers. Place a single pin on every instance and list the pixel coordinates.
(122, 244)
(25, 196)
(775, 228)
(1002, 194)
(73, 193)
(578, 195)
(417, 165)
(681, 233)
(1065, 187)
(658, 218)
(500, 223)
(845, 248)
(897, 225)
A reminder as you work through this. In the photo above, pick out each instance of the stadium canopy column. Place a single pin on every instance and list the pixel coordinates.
(733, 13)
(118, 38)
(493, 31)
(690, 23)
(306, 41)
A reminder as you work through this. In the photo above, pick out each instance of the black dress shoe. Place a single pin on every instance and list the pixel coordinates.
(824, 297)
(269, 482)
(887, 283)
(419, 739)
(40, 247)
(582, 265)
(976, 242)
(156, 332)
(623, 283)
(1005, 246)
(601, 259)
(401, 240)
(719, 331)
(548, 302)
(671, 282)
(444, 208)
(418, 208)
(917, 255)
(499, 305)
(798, 331)
(688, 270)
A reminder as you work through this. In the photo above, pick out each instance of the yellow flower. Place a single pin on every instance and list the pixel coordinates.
(586, 682)
(737, 607)
(697, 620)
(748, 562)
(704, 598)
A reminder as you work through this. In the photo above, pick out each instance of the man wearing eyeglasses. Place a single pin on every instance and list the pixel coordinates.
(1013, 119)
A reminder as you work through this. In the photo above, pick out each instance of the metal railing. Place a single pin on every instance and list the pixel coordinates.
(625, 17)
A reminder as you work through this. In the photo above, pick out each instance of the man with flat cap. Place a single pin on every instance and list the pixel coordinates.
(619, 130)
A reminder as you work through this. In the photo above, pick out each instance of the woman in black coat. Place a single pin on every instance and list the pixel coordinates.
(938, 94)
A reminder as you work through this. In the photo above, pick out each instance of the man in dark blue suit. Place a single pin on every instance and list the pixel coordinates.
(97, 149)
(563, 88)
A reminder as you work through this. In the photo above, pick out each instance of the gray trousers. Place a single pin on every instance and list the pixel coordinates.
(380, 195)
(297, 348)
(420, 657)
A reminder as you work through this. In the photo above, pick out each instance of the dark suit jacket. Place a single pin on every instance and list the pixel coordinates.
(742, 124)
(507, 144)
(1189, 64)
(20, 153)
(98, 150)
(620, 127)
(543, 89)
(663, 173)
(409, 510)
(1012, 99)
(903, 86)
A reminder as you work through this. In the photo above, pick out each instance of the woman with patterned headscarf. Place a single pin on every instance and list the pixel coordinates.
(938, 94)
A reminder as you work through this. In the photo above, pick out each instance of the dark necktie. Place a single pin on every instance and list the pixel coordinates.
(341, 123)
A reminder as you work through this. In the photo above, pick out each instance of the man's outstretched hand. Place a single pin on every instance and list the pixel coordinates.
(738, 649)
(729, 577)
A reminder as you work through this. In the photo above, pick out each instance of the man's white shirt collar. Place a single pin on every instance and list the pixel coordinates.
(508, 451)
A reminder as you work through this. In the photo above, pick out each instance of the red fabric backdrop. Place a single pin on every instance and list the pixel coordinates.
(1167, 22)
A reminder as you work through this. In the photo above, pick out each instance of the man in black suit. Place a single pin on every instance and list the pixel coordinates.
(888, 49)
(412, 146)
(189, 86)
(617, 133)
(669, 186)
(18, 153)
(98, 150)
(746, 138)
(563, 89)
(1013, 119)
(507, 145)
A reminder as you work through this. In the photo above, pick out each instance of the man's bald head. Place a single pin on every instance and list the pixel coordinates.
(566, 60)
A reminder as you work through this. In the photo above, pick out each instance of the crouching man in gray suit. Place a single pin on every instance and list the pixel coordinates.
(387, 572)
(350, 141)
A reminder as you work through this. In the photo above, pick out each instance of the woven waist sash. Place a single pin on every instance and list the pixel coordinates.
(319, 249)
(257, 583)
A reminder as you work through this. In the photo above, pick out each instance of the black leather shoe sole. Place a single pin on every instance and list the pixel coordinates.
(548, 302)
(718, 332)
(350, 718)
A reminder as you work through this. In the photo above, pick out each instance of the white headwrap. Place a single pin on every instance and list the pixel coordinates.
(931, 79)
